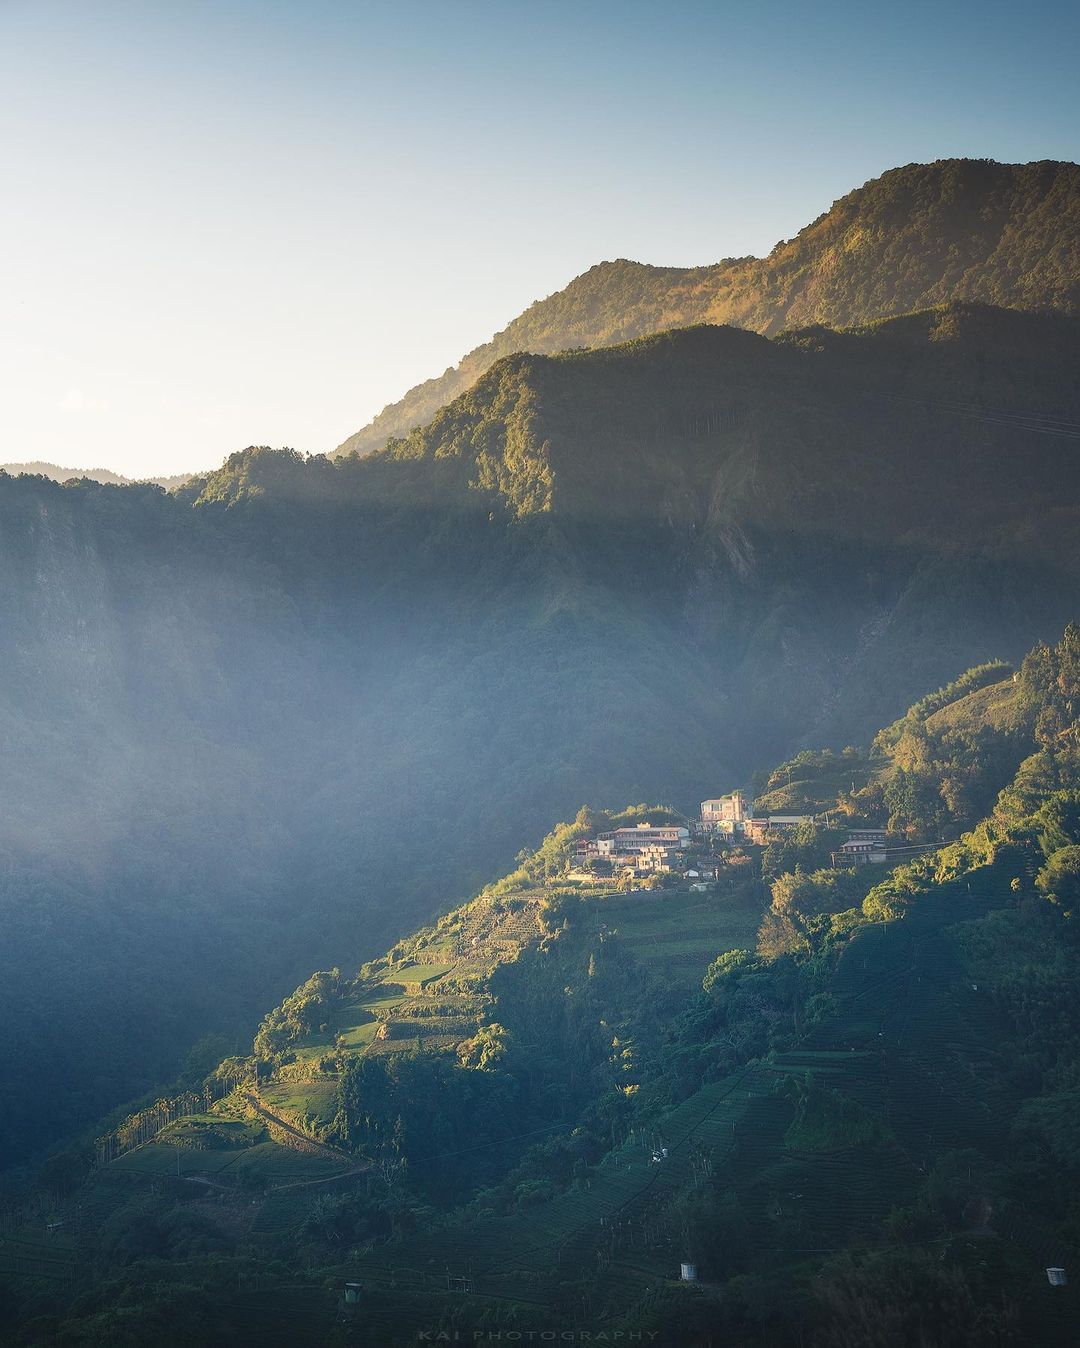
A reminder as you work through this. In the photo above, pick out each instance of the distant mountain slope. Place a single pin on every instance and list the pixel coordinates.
(105, 476)
(877, 458)
(51, 470)
(1003, 234)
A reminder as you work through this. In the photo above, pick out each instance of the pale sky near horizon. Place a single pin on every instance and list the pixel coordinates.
(259, 221)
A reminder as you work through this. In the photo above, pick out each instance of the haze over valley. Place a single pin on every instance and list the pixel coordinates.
(596, 853)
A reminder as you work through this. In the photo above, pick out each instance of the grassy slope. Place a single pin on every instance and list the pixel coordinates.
(812, 782)
(994, 706)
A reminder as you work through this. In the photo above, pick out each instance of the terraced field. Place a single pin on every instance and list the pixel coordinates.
(282, 1214)
(680, 934)
(274, 1163)
(434, 996)
(313, 1103)
(416, 976)
(164, 1159)
(284, 1165)
(50, 1258)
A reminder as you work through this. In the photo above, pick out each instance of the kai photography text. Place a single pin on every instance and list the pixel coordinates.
(537, 1336)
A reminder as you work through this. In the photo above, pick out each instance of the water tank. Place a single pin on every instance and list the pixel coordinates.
(1056, 1277)
(688, 1272)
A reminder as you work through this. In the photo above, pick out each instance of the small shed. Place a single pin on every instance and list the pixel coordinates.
(352, 1293)
(1056, 1277)
(688, 1272)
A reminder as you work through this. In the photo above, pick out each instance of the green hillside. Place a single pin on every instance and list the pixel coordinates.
(466, 988)
(918, 236)
(929, 775)
(287, 1147)
(864, 1136)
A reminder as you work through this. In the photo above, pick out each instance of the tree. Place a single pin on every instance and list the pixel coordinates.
(1059, 879)
(487, 1049)
(797, 899)
(1058, 822)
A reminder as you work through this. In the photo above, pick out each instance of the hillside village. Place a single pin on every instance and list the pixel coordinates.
(632, 960)
(698, 851)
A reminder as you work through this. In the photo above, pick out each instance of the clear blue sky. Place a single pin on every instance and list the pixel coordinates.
(231, 223)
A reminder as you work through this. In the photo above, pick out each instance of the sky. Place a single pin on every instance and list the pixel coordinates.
(242, 223)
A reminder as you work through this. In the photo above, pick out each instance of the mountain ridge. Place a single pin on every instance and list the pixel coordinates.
(103, 476)
(915, 237)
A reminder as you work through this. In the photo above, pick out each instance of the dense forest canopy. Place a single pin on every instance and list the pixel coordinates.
(918, 236)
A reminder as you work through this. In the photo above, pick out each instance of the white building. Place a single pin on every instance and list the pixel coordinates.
(861, 853)
(624, 842)
(726, 814)
(657, 858)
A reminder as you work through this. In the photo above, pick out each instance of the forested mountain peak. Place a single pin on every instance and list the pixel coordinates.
(711, 424)
(918, 236)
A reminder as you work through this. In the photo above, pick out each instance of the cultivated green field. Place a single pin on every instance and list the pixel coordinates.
(427, 998)
(312, 1102)
(161, 1158)
(212, 1131)
(681, 934)
(417, 975)
(273, 1165)
(283, 1165)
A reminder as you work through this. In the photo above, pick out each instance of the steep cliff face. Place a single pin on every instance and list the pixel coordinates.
(1001, 234)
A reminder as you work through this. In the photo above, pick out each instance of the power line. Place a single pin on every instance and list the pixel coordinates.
(1035, 423)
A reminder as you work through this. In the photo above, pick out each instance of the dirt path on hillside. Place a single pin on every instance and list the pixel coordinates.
(322, 1148)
